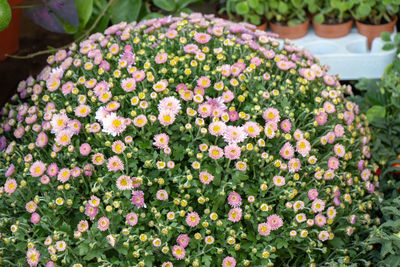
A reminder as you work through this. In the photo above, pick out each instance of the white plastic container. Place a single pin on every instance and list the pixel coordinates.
(349, 56)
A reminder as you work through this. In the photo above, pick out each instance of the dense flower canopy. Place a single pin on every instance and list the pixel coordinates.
(182, 140)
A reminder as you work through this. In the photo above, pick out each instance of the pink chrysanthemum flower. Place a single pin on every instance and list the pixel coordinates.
(252, 129)
(113, 124)
(192, 219)
(91, 211)
(217, 128)
(103, 223)
(32, 257)
(138, 199)
(270, 128)
(161, 140)
(83, 226)
(201, 38)
(312, 194)
(82, 111)
(215, 152)
(339, 130)
(323, 235)
(59, 122)
(37, 168)
(303, 147)
(294, 165)
(235, 214)
(31, 207)
(98, 159)
(63, 137)
(234, 134)
(320, 220)
(271, 115)
(161, 58)
(321, 118)
(52, 170)
(131, 219)
(229, 262)
(160, 86)
(286, 126)
(167, 264)
(166, 117)
(170, 103)
(35, 218)
(318, 205)
(232, 151)
(42, 139)
(139, 75)
(118, 147)
(278, 180)
(128, 84)
(183, 240)
(64, 175)
(115, 164)
(329, 107)
(274, 221)
(10, 171)
(241, 165)
(205, 110)
(234, 199)
(178, 252)
(339, 150)
(205, 177)
(298, 205)
(264, 229)
(333, 163)
(140, 121)
(287, 151)
(162, 195)
(124, 183)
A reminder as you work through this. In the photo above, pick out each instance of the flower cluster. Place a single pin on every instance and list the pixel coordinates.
(182, 140)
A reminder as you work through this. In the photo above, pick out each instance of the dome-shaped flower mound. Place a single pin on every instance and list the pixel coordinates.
(177, 141)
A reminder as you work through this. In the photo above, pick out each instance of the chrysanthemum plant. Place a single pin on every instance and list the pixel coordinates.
(183, 141)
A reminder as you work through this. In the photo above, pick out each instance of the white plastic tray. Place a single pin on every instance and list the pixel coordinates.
(349, 56)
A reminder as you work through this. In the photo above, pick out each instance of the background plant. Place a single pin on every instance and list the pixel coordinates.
(330, 11)
(375, 11)
(286, 12)
(252, 11)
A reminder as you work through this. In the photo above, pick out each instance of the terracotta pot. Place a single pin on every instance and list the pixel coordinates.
(10, 37)
(262, 27)
(373, 31)
(332, 30)
(290, 32)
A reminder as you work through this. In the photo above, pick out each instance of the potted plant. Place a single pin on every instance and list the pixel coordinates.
(332, 18)
(9, 36)
(288, 18)
(248, 11)
(374, 17)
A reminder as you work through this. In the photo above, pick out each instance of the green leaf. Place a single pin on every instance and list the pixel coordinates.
(254, 4)
(207, 260)
(386, 248)
(388, 47)
(385, 36)
(319, 18)
(125, 10)
(363, 10)
(242, 8)
(283, 8)
(336, 242)
(297, 3)
(167, 5)
(85, 9)
(255, 19)
(376, 112)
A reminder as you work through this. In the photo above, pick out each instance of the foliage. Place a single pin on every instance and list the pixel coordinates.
(375, 11)
(330, 10)
(185, 140)
(286, 12)
(252, 11)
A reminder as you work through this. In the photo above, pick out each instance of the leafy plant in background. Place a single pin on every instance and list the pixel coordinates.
(381, 100)
(330, 11)
(252, 11)
(375, 11)
(286, 12)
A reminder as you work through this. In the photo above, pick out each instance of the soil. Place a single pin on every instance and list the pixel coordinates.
(32, 39)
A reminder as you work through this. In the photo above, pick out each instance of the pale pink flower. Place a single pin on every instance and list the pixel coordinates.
(162, 195)
(103, 223)
(229, 262)
(235, 214)
(278, 180)
(234, 134)
(192, 219)
(318, 205)
(128, 84)
(124, 183)
(234, 199)
(232, 151)
(161, 140)
(138, 199)
(217, 128)
(201, 38)
(183, 240)
(303, 147)
(252, 129)
(166, 117)
(294, 165)
(32, 257)
(115, 164)
(37, 168)
(178, 252)
(131, 219)
(170, 103)
(140, 121)
(215, 152)
(287, 151)
(264, 229)
(205, 177)
(274, 221)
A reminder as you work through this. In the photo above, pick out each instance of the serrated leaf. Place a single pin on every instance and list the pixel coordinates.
(167, 5)
(85, 9)
(242, 8)
(125, 10)
(376, 112)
